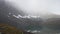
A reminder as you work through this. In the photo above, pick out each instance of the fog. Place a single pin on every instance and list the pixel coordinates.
(12, 10)
(11, 16)
(42, 8)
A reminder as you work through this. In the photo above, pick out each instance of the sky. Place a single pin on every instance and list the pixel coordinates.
(37, 7)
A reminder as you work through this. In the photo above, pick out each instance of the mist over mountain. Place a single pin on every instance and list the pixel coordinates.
(6, 17)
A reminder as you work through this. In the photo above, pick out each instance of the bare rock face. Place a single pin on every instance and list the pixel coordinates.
(51, 26)
(52, 23)
(6, 17)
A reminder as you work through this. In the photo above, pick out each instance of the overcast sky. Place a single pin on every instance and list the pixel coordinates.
(37, 7)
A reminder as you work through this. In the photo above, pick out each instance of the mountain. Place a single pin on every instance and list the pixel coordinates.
(6, 17)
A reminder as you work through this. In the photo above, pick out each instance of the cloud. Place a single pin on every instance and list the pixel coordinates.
(19, 16)
(42, 8)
